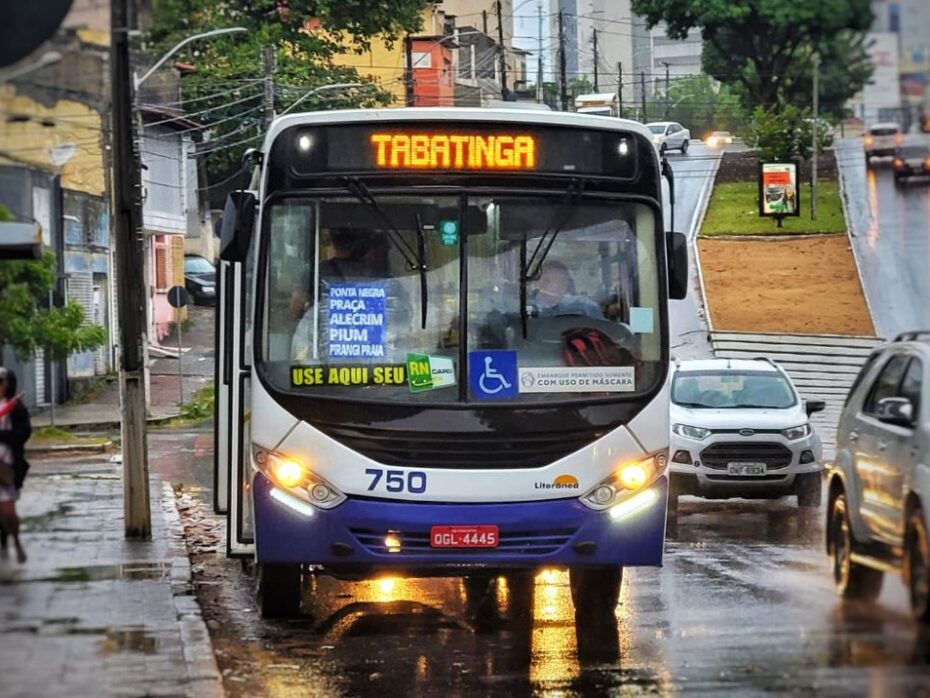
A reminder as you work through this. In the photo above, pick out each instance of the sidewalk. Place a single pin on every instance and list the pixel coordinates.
(92, 614)
(97, 417)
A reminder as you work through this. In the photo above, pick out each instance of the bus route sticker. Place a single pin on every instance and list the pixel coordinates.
(357, 319)
(428, 372)
(493, 374)
(583, 379)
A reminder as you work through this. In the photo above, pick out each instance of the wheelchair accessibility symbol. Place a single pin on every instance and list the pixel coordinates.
(493, 374)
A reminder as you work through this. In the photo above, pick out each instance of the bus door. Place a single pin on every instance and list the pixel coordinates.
(232, 474)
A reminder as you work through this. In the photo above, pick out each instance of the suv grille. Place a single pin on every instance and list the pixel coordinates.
(462, 450)
(774, 455)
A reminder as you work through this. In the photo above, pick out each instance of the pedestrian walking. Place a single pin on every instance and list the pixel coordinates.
(15, 429)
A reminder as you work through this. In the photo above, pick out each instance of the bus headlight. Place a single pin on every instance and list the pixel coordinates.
(297, 479)
(628, 478)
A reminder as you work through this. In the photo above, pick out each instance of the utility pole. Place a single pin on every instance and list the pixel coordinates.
(665, 63)
(563, 87)
(595, 62)
(484, 22)
(642, 91)
(268, 84)
(130, 263)
(505, 93)
(540, 93)
(408, 73)
(814, 130)
(620, 89)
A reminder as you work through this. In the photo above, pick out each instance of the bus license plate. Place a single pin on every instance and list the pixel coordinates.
(463, 536)
(757, 469)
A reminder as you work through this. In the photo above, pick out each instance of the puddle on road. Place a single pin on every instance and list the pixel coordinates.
(127, 640)
(131, 571)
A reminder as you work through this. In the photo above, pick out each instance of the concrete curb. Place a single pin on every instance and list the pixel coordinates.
(59, 449)
(844, 194)
(203, 674)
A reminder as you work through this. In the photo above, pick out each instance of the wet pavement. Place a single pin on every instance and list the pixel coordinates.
(891, 238)
(694, 174)
(89, 613)
(744, 605)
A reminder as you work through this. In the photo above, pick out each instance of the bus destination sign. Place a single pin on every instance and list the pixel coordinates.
(453, 151)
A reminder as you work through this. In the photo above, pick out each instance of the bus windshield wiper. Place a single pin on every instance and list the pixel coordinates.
(531, 268)
(421, 255)
(416, 260)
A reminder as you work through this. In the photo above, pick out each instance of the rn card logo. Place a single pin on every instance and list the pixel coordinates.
(562, 482)
(425, 372)
(492, 375)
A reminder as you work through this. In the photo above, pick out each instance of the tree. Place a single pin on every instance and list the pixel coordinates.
(701, 104)
(766, 46)
(225, 91)
(785, 136)
(26, 326)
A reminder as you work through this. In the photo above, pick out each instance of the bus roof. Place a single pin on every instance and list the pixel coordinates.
(455, 115)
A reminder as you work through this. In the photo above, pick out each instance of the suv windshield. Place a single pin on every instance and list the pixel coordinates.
(732, 389)
(883, 131)
(344, 299)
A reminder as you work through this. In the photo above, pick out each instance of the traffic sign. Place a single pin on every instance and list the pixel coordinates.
(178, 297)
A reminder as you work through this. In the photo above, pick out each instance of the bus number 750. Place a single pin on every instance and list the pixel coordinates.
(413, 481)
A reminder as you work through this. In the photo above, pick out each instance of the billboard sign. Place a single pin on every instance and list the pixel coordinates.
(884, 88)
(778, 190)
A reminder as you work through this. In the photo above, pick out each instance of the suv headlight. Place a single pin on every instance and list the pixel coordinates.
(696, 433)
(629, 477)
(294, 477)
(795, 433)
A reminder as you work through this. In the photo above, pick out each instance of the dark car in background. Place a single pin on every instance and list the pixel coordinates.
(912, 160)
(200, 279)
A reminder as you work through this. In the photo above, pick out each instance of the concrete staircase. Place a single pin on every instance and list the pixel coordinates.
(822, 367)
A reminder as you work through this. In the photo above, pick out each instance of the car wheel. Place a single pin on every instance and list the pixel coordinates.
(279, 591)
(595, 591)
(852, 580)
(917, 566)
(809, 489)
(684, 147)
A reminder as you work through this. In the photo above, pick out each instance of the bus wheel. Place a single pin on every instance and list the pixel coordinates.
(595, 591)
(279, 591)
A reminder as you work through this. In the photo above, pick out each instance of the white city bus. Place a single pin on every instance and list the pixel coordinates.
(442, 350)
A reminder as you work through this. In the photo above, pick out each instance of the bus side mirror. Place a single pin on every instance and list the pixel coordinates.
(677, 245)
(238, 224)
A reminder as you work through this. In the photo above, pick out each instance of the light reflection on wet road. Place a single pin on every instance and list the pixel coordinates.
(744, 605)
(891, 237)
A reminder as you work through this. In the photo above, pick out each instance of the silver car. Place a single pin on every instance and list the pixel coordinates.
(878, 506)
(669, 135)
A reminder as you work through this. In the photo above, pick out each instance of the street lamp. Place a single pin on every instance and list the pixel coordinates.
(322, 88)
(216, 32)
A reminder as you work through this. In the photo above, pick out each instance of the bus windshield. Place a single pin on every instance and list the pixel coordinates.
(520, 298)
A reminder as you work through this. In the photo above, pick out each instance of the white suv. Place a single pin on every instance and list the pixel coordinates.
(739, 429)
(881, 140)
(878, 508)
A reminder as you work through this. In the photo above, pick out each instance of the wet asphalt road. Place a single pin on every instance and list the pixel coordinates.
(744, 605)
(693, 178)
(891, 238)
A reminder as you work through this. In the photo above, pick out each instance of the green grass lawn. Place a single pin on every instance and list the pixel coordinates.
(734, 210)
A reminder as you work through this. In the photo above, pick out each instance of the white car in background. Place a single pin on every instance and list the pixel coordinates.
(669, 135)
(740, 429)
(881, 140)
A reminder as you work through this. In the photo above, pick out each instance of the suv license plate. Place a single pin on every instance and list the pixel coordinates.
(463, 536)
(746, 468)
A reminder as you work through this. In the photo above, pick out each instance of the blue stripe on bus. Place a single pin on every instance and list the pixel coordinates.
(531, 533)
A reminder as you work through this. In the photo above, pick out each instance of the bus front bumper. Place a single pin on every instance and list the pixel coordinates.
(387, 534)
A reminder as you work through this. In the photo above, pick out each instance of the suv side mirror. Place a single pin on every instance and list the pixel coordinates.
(814, 406)
(238, 222)
(895, 410)
(677, 249)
